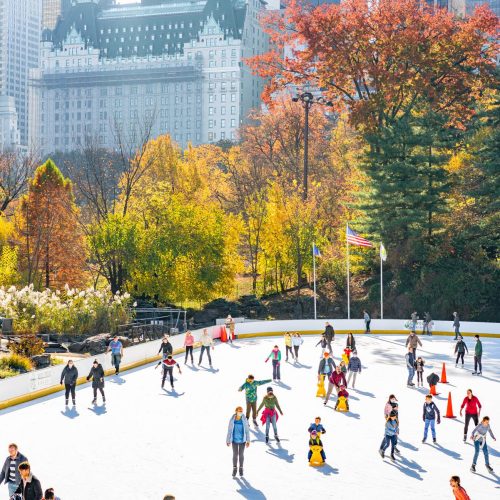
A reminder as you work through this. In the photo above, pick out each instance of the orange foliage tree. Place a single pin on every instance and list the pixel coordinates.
(52, 249)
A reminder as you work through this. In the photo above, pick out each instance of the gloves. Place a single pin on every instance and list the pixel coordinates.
(439, 420)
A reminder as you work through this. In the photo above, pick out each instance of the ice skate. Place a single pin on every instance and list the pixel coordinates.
(234, 471)
(267, 439)
(473, 468)
(489, 469)
(241, 471)
(381, 453)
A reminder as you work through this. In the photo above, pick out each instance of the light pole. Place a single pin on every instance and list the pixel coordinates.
(307, 100)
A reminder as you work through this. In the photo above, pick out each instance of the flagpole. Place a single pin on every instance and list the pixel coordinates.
(314, 279)
(348, 290)
(381, 287)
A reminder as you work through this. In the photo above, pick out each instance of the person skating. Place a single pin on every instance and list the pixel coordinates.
(317, 426)
(275, 356)
(458, 491)
(315, 440)
(326, 365)
(168, 369)
(97, 376)
(270, 415)
(165, 347)
(207, 343)
(297, 341)
(410, 365)
(69, 376)
(335, 380)
(288, 345)
(429, 417)
(419, 367)
(392, 405)
(238, 435)
(29, 487)
(390, 436)
(367, 319)
(413, 341)
(478, 353)
(188, 345)
(250, 388)
(472, 411)
(460, 349)
(116, 348)
(354, 367)
(456, 324)
(322, 342)
(230, 328)
(342, 393)
(426, 328)
(329, 334)
(479, 437)
(350, 342)
(10, 470)
(50, 494)
(414, 319)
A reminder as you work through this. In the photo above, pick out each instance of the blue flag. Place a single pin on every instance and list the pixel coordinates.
(316, 251)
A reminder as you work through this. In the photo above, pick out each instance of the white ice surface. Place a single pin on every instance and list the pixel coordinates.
(148, 442)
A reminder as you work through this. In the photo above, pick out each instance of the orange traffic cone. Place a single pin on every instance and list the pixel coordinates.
(433, 390)
(449, 408)
(443, 375)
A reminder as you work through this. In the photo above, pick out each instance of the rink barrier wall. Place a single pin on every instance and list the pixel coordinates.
(40, 383)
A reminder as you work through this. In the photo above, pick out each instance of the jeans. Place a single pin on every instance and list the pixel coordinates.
(477, 448)
(392, 440)
(353, 375)
(368, 325)
(296, 349)
(189, 351)
(167, 372)
(273, 421)
(411, 374)
(477, 362)
(251, 406)
(116, 360)
(203, 349)
(69, 388)
(432, 423)
(426, 329)
(288, 348)
(468, 416)
(457, 332)
(12, 488)
(276, 369)
(460, 355)
(238, 454)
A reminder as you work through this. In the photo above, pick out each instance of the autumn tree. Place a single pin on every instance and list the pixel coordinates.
(52, 249)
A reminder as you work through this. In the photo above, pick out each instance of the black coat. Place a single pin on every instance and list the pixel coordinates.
(69, 375)
(351, 343)
(97, 376)
(33, 490)
(4, 473)
(166, 347)
(329, 333)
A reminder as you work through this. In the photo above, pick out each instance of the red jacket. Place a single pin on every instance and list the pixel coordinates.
(472, 405)
(461, 494)
(338, 379)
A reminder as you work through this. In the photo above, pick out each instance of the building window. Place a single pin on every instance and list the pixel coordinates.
(233, 110)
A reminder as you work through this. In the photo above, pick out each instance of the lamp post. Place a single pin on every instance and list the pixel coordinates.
(307, 99)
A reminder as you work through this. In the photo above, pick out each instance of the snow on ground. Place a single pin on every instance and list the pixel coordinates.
(147, 442)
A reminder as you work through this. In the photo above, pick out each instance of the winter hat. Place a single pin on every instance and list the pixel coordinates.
(393, 414)
(270, 389)
(314, 433)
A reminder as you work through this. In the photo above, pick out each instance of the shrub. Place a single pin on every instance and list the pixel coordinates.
(7, 373)
(28, 346)
(15, 363)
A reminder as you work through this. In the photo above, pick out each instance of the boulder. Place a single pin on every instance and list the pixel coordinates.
(41, 361)
(96, 344)
(76, 347)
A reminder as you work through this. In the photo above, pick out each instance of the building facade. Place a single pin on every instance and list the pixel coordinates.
(112, 70)
(20, 22)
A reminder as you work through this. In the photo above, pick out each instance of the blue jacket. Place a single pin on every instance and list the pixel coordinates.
(322, 366)
(317, 428)
(230, 428)
(354, 364)
(391, 427)
(430, 410)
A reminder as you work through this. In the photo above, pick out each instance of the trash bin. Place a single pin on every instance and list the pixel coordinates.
(7, 325)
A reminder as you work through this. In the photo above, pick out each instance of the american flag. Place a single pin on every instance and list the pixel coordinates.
(355, 239)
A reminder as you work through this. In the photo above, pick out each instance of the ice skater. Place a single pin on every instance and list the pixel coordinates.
(427, 326)
(460, 349)
(458, 491)
(167, 370)
(342, 403)
(250, 388)
(335, 380)
(165, 347)
(238, 435)
(288, 346)
(317, 426)
(390, 436)
(297, 341)
(456, 325)
(188, 345)
(354, 367)
(367, 319)
(315, 440)
(207, 343)
(419, 367)
(472, 411)
(10, 470)
(329, 334)
(270, 415)
(479, 437)
(116, 348)
(413, 341)
(97, 376)
(69, 376)
(410, 365)
(429, 417)
(392, 405)
(230, 328)
(275, 356)
(350, 342)
(478, 354)
(326, 365)
(29, 488)
(322, 342)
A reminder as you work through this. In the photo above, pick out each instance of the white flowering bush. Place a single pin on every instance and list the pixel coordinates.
(70, 311)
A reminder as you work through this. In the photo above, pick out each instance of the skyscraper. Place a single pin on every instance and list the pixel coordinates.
(20, 22)
(51, 10)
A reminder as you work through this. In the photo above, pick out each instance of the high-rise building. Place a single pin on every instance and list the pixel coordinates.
(178, 64)
(51, 10)
(466, 7)
(19, 51)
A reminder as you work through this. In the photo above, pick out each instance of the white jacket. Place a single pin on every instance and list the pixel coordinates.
(206, 340)
(297, 341)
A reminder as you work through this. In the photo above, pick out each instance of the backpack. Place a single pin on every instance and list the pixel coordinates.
(433, 379)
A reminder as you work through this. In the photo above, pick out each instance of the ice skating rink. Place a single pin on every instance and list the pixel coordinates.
(148, 442)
